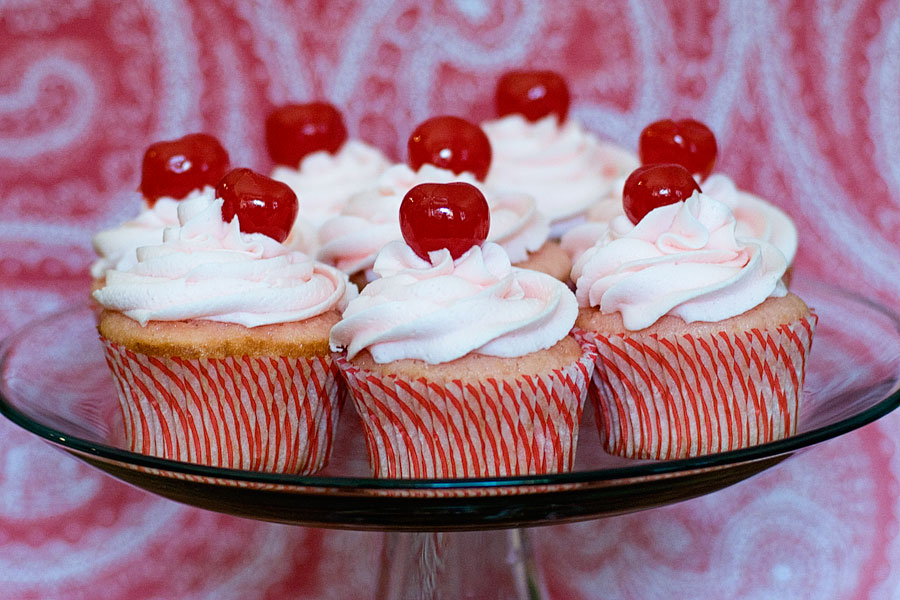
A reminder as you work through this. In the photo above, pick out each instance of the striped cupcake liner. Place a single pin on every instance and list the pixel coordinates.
(673, 396)
(512, 426)
(273, 414)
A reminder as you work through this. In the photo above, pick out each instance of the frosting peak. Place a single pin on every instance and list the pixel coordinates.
(116, 246)
(683, 259)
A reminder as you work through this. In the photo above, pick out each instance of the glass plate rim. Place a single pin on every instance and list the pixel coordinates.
(644, 469)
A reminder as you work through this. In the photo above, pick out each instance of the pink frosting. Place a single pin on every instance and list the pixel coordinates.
(565, 168)
(324, 183)
(683, 259)
(440, 309)
(116, 246)
(207, 269)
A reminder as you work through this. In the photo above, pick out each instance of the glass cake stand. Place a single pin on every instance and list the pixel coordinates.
(452, 538)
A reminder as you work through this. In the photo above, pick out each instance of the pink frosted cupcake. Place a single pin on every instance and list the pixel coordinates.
(351, 240)
(539, 151)
(701, 348)
(172, 171)
(217, 337)
(461, 365)
(313, 155)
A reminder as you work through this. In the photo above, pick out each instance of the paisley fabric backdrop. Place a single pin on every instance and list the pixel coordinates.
(804, 99)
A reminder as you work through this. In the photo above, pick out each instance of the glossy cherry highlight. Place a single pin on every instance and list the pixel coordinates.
(295, 130)
(454, 216)
(688, 143)
(450, 143)
(175, 168)
(533, 94)
(262, 205)
(652, 186)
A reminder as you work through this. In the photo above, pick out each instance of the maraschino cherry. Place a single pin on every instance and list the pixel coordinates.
(454, 216)
(688, 143)
(175, 168)
(533, 94)
(450, 143)
(652, 186)
(262, 205)
(296, 130)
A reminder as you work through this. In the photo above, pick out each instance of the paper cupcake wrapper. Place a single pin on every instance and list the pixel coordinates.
(512, 426)
(673, 396)
(274, 414)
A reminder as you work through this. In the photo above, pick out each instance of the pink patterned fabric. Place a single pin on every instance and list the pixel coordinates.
(802, 96)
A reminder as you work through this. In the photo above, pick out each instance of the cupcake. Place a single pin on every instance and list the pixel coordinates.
(351, 240)
(459, 364)
(172, 171)
(540, 151)
(324, 168)
(701, 349)
(217, 337)
(697, 151)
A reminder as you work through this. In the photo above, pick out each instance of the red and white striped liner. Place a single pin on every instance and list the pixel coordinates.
(673, 396)
(515, 426)
(273, 414)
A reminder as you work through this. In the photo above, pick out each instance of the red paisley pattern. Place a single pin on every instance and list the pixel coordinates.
(803, 98)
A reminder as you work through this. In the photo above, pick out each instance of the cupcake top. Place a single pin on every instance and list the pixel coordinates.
(324, 181)
(756, 219)
(351, 240)
(116, 246)
(207, 269)
(440, 309)
(171, 171)
(564, 167)
(316, 159)
(683, 259)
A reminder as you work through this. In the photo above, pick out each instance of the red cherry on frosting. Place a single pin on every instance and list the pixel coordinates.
(295, 130)
(175, 168)
(688, 143)
(652, 186)
(454, 216)
(533, 94)
(450, 143)
(262, 205)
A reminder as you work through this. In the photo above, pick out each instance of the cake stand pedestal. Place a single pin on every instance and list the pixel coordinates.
(473, 565)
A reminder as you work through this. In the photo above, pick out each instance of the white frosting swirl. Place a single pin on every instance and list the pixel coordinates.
(565, 168)
(324, 182)
(683, 259)
(756, 218)
(207, 269)
(370, 220)
(116, 246)
(440, 309)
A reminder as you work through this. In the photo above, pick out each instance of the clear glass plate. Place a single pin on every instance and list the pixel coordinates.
(55, 383)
